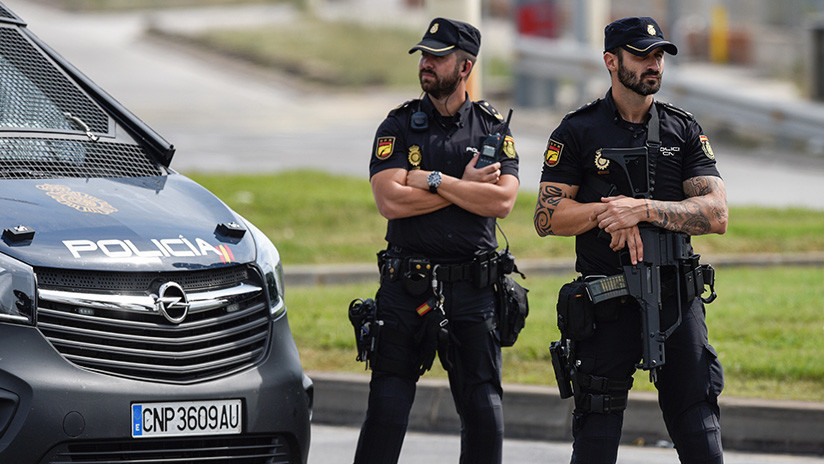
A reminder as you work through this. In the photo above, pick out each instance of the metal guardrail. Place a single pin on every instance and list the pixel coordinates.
(548, 61)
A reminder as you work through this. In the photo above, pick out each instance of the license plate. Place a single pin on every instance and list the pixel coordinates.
(217, 417)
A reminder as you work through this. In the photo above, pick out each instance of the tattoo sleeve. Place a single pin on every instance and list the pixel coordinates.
(549, 198)
(704, 207)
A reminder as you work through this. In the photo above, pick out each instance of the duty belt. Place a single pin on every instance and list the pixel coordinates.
(455, 272)
(482, 270)
(606, 288)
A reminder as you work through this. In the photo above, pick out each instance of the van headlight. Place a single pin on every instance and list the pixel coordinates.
(18, 298)
(268, 260)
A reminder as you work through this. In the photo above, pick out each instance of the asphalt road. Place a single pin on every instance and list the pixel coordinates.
(336, 445)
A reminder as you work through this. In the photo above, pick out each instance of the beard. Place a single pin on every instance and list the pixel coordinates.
(440, 86)
(638, 84)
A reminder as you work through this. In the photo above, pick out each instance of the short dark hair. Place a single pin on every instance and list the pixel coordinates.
(617, 52)
(463, 56)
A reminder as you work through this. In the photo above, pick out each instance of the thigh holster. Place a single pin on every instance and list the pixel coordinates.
(599, 394)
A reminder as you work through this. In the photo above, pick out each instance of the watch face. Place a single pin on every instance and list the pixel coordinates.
(434, 181)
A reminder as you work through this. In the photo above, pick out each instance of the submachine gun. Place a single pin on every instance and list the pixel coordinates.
(670, 269)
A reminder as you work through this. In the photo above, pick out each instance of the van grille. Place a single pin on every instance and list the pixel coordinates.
(240, 449)
(90, 318)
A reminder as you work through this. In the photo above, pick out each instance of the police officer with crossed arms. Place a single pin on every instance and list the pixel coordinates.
(584, 193)
(441, 209)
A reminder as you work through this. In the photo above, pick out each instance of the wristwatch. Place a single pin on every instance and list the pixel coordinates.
(434, 180)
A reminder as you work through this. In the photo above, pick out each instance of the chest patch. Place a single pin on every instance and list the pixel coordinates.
(670, 151)
(600, 162)
(415, 157)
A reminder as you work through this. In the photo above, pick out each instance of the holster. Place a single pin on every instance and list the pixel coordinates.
(363, 317)
(559, 353)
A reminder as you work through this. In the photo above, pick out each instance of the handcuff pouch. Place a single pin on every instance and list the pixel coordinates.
(417, 276)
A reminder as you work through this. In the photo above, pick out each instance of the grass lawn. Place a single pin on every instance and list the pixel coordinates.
(767, 323)
(302, 48)
(318, 218)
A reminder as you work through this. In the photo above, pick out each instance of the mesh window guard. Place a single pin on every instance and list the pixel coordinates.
(42, 158)
(34, 94)
(5, 13)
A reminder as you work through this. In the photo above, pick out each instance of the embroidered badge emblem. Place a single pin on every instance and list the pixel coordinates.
(705, 145)
(552, 155)
(600, 162)
(384, 147)
(509, 147)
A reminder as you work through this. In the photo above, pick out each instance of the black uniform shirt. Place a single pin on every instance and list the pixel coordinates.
(447, 145)
(572, 158)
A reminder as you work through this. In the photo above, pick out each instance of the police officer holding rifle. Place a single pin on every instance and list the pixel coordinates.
(633, 178)
(438, 271)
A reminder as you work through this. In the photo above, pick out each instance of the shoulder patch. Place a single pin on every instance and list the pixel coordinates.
(589, 106)
(675, 110)
(552, 155)
(706, 147)
(489, 109)
(384, 147)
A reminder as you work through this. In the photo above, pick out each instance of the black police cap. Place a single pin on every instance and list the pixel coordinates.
(444, 36)
(637, 35)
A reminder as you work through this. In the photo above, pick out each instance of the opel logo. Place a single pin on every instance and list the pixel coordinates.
(172, 302)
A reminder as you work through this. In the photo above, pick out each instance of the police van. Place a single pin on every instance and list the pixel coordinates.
(141, 319)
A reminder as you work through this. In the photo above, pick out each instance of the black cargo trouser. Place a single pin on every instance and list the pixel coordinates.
(475, 379)
(688, 386)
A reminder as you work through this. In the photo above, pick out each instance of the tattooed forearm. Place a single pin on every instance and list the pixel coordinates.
(699, 186)
(548, 200)
(682, 220)
(703, 212)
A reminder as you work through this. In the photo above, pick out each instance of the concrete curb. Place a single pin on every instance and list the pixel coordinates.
(538, 413)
